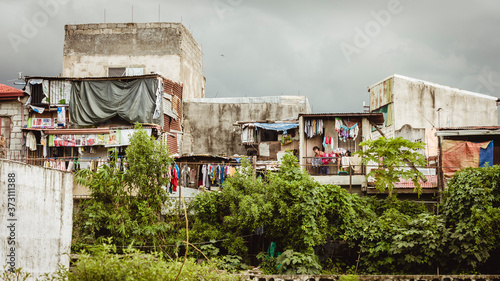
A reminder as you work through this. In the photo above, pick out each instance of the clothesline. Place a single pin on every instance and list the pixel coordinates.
(315, 127)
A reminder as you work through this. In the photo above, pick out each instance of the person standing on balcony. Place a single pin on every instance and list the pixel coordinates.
(323, 169)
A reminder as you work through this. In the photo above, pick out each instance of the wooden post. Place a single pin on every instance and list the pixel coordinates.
(350, 179)
(254, 164)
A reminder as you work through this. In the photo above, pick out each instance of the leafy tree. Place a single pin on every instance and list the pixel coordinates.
(392, 155)
(125, 205)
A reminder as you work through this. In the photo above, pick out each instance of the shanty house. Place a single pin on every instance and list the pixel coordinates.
(338, 135)
(464, 147)
(73, 122)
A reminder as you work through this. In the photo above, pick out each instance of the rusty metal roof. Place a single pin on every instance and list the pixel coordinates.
(432, 182)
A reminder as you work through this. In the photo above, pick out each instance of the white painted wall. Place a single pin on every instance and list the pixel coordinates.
(43, 209)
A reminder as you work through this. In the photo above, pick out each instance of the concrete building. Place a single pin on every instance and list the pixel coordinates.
(414, 109)
(127, 49)
(208, 123)
(12, 116)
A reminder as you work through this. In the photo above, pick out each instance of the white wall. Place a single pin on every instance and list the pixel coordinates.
(416, 103)
(43, 209)
(415, 106)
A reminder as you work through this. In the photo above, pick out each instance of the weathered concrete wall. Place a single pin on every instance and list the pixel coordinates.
(40, 217)
(416, 103)
(376, 277)
(165, 48)
(208, 123)
(13, 111)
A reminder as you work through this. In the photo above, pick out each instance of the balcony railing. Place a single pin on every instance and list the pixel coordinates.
(333, 166)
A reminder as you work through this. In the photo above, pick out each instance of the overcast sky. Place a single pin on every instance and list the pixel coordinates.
(329, 51)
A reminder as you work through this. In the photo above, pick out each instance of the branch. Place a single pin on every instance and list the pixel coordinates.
(202, 254)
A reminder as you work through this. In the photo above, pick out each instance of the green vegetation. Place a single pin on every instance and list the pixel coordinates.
(471, 211)
(103, 263)
(125, 205)
(314, 228)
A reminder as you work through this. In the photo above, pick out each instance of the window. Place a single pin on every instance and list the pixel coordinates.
(125, 71)
(268, 135)
(4, 132)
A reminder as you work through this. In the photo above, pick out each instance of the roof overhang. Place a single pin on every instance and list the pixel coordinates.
(479, 132)
(374, 117)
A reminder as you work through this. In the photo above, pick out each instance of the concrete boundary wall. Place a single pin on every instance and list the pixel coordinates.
(376, 277)
(36, 208)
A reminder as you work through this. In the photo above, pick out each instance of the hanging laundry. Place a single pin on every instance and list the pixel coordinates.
(174, 179)
(346, 133)
(313, 127)
(231, 171)
(185, 175)
(203, 175)
(31, 141)
(178, 172)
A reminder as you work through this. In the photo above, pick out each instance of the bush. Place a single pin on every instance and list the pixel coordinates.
(290, 262)
(104, 264)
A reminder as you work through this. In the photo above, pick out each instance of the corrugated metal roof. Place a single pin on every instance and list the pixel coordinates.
(432, 182)
(468, 131)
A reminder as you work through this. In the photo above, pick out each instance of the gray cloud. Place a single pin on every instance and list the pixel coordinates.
(290, 47)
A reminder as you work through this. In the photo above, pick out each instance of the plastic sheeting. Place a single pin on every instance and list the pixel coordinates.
(458, 155)
(134, 101)
(276, 126)
(486, 155)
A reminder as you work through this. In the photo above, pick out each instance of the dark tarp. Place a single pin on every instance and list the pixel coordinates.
(93, 101)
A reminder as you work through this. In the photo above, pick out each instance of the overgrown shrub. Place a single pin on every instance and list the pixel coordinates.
(103, 263)
(471, 210)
